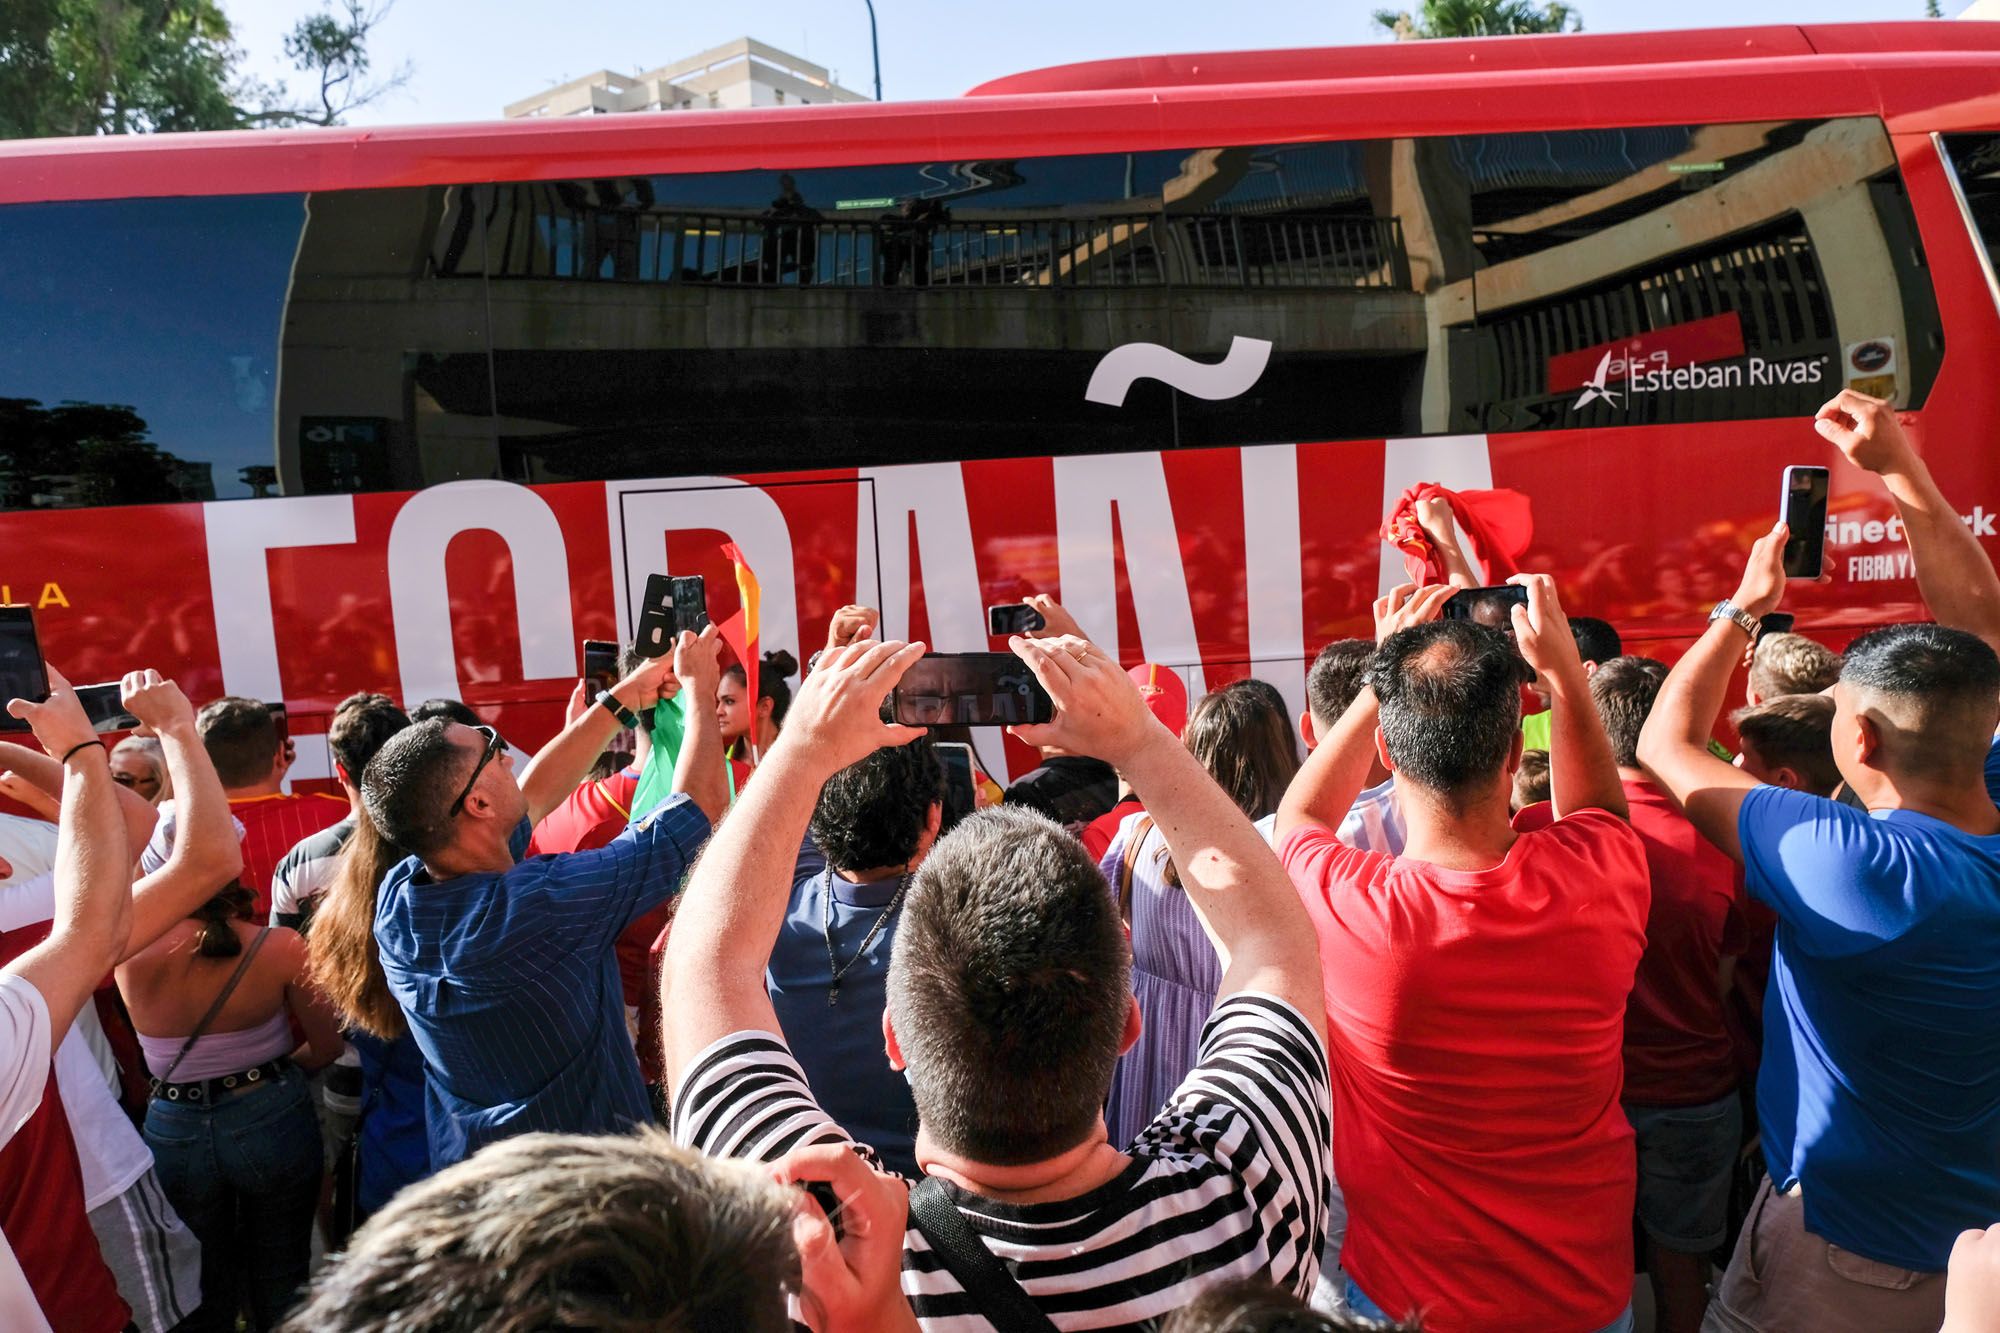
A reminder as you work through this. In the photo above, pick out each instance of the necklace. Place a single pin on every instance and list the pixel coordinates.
(839, 968)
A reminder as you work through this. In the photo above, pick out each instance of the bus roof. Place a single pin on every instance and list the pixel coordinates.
(1467, 55)
(1919, 77)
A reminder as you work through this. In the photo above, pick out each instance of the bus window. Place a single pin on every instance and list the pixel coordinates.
(1694, 273)
(1975, 162)
(139, 359)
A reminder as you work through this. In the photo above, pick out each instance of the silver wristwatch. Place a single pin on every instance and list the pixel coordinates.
(1730, 611)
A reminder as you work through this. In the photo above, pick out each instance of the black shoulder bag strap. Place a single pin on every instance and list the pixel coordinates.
(222, 996)
(986, 1280)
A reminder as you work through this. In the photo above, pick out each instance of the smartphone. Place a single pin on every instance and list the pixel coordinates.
(1013, 618)
(829, 1203)
(600, 664)
(282, 720)
(1804, 502)
(1492, 607)
(970, 689)
(674, 603)
(22, 672)
(105, 709)
(1778, 622)
(960, 794)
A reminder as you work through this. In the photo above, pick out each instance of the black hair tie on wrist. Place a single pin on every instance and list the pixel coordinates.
(81, 745)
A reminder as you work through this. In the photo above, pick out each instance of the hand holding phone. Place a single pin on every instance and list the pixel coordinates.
(1492, 607)
(971, 690)
(1803, 502)
(57, 720)
(105, 709)
(1098, 708)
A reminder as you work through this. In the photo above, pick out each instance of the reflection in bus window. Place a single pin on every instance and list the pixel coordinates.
(1692, 274)
(740, 322)
(1975, 161)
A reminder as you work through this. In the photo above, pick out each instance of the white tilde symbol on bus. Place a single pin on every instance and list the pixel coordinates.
(1593, 388)
(1124, 366)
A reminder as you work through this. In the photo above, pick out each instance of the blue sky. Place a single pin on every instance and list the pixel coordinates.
(471, 59)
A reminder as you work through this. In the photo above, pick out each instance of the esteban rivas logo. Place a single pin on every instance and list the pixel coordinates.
(1594, 387)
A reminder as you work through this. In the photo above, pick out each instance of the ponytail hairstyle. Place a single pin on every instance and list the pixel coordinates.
(341, 951)
(771, 675)
(218, 917)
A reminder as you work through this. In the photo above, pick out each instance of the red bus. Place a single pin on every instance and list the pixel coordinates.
(292, 414)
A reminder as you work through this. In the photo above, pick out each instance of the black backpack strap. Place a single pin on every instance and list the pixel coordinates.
(986, 1280)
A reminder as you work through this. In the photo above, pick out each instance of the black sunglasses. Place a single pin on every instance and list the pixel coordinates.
(493, 746)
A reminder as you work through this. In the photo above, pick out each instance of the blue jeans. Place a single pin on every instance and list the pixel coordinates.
(244, 1174)
(1358, 1303)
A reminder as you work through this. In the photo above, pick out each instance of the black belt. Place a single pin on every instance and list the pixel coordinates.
(209, 1089)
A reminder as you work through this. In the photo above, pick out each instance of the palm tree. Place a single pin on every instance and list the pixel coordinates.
(1479, 18)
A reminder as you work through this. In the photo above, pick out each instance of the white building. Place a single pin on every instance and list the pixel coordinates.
(738, 74)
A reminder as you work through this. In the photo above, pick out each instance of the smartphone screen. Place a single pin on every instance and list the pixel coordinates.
(970, 689)
(1013, 618)
(282, 720)
(1804, 502)
(1778, 622)
(960, 793)
(600, 664)
(22, 674)
(673, 603)
(1492, 607)
(104, 708)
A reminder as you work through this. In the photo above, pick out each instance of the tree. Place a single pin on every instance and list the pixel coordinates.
(74, 67)
(1479, 18)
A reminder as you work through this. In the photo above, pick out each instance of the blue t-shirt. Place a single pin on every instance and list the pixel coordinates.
(1880, 1087)
(839, 1045)
(510, 983)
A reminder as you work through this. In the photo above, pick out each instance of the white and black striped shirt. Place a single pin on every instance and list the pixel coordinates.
(1229, 1181)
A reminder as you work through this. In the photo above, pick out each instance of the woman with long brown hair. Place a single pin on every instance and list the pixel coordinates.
(1245, 744)
(392, 1147)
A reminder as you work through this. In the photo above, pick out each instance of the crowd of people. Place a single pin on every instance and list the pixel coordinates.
(1509, 969)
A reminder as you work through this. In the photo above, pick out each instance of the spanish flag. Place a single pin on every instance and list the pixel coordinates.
(740, 630)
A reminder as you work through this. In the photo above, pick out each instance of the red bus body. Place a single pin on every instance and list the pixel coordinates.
(1220, 561)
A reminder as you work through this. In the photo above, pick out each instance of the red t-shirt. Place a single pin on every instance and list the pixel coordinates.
(1475, 1023)
(43, 1218)
(272, 826)
(1097, 837)
(1678, 1048)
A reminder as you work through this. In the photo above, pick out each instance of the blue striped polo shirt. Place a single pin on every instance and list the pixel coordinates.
(510, 982)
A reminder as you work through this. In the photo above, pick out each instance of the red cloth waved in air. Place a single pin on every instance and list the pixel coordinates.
(1496, 525)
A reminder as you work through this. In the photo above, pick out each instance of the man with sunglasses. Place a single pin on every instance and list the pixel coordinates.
(506, 970)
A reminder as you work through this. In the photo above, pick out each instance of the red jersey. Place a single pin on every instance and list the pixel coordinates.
(43, 1219)
(272, 826)
(1097, 838)
(1678, 1048)
(1475, 1023)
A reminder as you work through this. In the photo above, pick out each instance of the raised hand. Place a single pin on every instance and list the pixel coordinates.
(156, 701)
(1541, 630)
(1763, 585)
(836, 717)
(1406, 604)
(696, 662)
(1865, 430)
(59, 722)
(851, 624)
(1057, 623)
(1099, 711)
